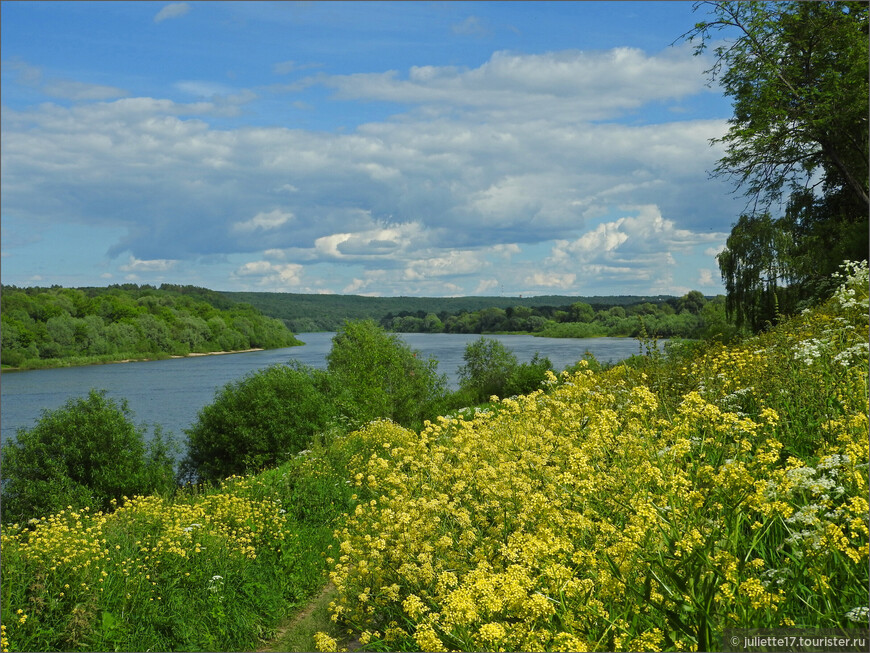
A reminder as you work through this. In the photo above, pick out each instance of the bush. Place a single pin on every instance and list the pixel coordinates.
(489, 365)
(383, 376)
(492, 369)
(527, 377)
(260, 421)
(86, 453)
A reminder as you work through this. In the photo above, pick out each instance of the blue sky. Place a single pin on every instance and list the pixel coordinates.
(418, 149)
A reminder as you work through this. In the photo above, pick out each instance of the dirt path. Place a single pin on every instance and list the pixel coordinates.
(300, 627)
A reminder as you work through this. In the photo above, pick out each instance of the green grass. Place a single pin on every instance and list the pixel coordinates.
(208, 569)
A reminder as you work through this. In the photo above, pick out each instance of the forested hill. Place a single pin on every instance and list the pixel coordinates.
(310, 312)
(50, 327)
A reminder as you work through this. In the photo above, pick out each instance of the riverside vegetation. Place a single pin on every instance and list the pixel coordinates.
(53, 327)
(642, 506)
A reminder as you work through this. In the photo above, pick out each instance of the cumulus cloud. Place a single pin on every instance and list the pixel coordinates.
(645, 246)
(173, 10)
(562, 281)
(707, 278)
(523, 151)
(566, 85)
(277, 276)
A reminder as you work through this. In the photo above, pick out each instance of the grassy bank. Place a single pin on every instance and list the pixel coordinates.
(648, 506)
(210, 570)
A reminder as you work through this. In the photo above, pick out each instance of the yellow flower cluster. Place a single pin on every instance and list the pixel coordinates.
(133, 553)
(587, 516)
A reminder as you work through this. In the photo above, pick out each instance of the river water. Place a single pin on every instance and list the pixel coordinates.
(171, 392)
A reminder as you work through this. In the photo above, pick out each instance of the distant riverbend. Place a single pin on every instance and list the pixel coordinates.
(170, 392)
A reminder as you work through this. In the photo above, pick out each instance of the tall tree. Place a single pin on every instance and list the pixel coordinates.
(798, 76)
(756, 268)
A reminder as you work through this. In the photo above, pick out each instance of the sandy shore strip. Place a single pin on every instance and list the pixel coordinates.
(208, 353)
(219, 353)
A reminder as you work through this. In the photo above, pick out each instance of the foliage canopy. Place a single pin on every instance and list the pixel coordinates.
(797, 73)
(86, 453)
(383, 376)
(260, 421)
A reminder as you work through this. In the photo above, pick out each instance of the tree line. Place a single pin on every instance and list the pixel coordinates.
(304, 313)
(689, 316)
(43, 327)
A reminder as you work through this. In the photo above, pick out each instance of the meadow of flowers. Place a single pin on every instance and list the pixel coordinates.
(645, 507)
(207, 571)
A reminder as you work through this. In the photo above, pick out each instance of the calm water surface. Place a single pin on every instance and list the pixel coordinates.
(171, 392)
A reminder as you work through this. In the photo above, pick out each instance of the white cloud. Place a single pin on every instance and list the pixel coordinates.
(707, 278)
(173, 10)
(370, 243)
(645, 247)
(277, 276)
(563, 281)
(202, 88)
(493, 161)
(66, 89)
(153, 265)
(265, 221)
(565, 85)
(486, 285)
(284, 67)
(72, 90)
(453, 263)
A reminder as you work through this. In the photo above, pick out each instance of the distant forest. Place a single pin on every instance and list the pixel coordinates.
(50, 327)
(690, 316)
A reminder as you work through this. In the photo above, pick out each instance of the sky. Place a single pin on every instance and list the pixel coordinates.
(385, 149)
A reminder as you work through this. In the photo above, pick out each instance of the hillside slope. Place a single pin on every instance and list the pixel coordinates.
(648, 507)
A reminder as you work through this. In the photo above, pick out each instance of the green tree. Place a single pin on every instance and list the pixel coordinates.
(260, 421)
(756, 268)
(86, 453)
(693, 301)
(383, 376)
(528, 377)
(582, 312)
(488, 369)
(797, 73)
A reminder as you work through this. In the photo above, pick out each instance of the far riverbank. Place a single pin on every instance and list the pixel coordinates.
(52, 363)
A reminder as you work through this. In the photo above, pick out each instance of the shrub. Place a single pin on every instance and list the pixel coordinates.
(488, 367)
(86, 453)
(259, 421)
(492, 369)
(528, 377)
(383, 376)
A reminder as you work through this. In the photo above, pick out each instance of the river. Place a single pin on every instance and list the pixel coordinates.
(171, 392)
